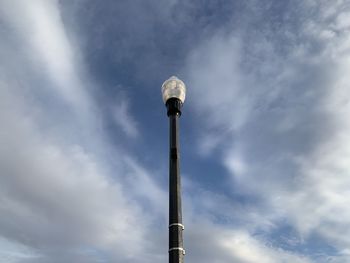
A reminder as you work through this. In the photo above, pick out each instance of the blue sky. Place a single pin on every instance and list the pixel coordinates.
(265, 130)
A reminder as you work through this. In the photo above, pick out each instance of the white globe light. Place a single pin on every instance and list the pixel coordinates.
(174, 88)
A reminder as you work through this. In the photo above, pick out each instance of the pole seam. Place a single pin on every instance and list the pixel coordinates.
(177, 248)
(177, 224)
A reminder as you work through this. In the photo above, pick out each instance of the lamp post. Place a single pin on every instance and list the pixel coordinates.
(174, 92)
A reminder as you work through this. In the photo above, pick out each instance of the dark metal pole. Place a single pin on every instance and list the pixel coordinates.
(176, 250)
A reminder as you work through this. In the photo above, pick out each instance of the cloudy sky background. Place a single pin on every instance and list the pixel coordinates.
(265, 131)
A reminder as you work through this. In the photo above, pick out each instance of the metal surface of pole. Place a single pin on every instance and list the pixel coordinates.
(176, 251)
(174, 93)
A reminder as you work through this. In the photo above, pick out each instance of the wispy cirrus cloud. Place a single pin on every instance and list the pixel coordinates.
(39, 34)
(123, 119)
(278, 100)
(61, 199)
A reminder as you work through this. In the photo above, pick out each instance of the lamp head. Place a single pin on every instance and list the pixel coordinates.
(174, 88)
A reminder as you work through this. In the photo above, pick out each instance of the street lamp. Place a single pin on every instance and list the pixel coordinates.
(174, 93)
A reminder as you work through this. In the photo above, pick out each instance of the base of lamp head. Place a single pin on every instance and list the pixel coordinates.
(174, 106)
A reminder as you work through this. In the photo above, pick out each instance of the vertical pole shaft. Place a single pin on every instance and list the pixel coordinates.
(176, 251)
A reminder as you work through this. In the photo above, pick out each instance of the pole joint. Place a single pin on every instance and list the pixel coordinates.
(177, 224)
(177, 248)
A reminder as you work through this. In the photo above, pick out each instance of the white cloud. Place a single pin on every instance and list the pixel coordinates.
(280, 106)
(123, 118)
(41, 36)
(324, 179)
(229, 229)
(225, 85)
(247, 249)
(61, 198)
(232, 245)
(13, 252)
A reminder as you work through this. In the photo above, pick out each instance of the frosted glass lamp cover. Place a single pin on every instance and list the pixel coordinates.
(174, 88)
